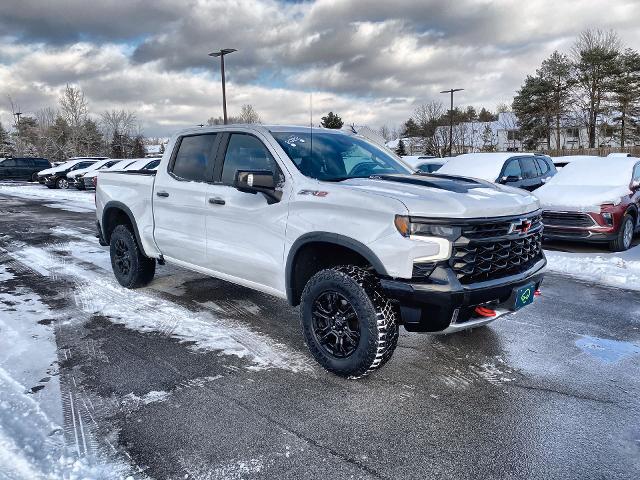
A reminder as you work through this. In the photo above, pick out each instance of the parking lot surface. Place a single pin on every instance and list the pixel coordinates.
(194, 377)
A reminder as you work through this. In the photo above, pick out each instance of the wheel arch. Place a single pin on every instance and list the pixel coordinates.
(117, 213)
(308, 246)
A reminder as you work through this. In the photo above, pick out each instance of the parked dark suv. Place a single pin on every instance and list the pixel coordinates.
(22, 168)
(522, 170)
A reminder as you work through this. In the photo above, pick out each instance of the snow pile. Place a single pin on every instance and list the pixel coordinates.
(98, 292)
(620, 269)
(32, 445)
(70, 200)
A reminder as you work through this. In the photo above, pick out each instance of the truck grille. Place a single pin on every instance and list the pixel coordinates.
(567, 219)
(488, 251)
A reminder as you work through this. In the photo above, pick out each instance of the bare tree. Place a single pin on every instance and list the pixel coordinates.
(248, 114)
(122, 122)
(73, 106)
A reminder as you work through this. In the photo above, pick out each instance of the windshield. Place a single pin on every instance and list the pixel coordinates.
(336, 157)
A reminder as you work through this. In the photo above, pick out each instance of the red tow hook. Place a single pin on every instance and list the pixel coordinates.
(485, 312)
(537, 293)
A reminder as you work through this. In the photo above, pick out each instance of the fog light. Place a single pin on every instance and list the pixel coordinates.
(608, 217)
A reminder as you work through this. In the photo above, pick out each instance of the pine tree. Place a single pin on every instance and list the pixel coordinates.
(486, 116)
(595, 57)
(626, 95)
(332, 120)
(557, 72)
(400, 150)
(137, 149)
(533, 106)
(411, 128)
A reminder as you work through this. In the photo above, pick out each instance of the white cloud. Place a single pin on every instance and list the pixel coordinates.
(369, 62)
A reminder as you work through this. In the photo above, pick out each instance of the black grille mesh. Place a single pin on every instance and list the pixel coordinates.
(567, 219)
(479, 261)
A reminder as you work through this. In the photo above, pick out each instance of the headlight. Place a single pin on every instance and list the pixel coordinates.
(408, 228)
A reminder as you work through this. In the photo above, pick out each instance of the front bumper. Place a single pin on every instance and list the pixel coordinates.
(578, 234)
(444, 305)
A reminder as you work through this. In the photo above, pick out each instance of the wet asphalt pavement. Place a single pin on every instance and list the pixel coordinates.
(550, 392)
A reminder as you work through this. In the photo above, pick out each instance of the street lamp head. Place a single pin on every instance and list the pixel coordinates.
(222, 52)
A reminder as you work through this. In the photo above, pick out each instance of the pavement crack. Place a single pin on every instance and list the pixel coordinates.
(566, 394)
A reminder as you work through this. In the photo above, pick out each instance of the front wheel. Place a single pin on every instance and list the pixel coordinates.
(130, 266)
(349, 325)
(34, 177)
(624, 237)
(62, 183)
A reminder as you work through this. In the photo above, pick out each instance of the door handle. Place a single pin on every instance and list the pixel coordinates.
(216, 201)
(162, 194)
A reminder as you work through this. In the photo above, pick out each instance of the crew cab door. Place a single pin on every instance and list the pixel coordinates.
(511, 173)
(246, 231)
(180, 199)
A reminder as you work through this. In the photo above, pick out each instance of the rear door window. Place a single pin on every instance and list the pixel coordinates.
(543, 165)
(194, 157)
(528, 167)
(512, 169)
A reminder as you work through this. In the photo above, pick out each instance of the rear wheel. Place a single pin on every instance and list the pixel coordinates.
(130, 266)
(62, 183)
(350, 327)
(624, 238)
(34, 177)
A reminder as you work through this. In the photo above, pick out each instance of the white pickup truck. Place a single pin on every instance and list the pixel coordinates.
(332, 223)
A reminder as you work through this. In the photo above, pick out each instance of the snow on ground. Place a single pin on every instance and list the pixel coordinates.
(32, 444)
(97, 292)
(71, 200)
(620, 269)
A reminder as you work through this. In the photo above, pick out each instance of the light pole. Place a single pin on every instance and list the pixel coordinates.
(451, 118)
(221, 53)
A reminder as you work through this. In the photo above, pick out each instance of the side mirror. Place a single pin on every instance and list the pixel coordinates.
(635, 185)
(510, 179)
(257, 181)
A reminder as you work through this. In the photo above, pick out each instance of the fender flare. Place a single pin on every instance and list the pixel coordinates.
(115, 205)
(327, 237)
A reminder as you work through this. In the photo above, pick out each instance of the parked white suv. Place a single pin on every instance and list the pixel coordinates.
(334, 223)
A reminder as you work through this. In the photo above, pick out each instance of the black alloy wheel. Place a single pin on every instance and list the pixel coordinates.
(122, 258)
(335, 324)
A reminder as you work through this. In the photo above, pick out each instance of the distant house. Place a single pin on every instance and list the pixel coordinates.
(153, 150)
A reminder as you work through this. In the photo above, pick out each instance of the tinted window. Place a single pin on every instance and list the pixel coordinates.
(544, 168)
(245, 152)
(80, 165)
(336, 157)
(193, 157)
(528, 168)
(636, 172)
(151, 165)
(429, 167)
(8, 163)
(41, 162)
(512, 169)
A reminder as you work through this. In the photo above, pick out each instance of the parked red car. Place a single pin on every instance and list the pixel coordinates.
(594, 200)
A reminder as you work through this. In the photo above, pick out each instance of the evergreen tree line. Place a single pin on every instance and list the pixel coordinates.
(595, 87)
(70, 131)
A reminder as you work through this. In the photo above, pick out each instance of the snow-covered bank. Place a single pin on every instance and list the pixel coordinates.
(621, 269)
(32, 443)
(70, 200)
(97, 291)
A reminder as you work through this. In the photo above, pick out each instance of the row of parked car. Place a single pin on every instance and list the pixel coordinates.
(584, 198)
(81, 172)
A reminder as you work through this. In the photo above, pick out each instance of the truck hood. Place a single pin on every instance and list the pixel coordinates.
(448, 196)
(579, 198)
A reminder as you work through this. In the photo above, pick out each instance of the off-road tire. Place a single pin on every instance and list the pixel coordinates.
(618, 244)
(141, 269)
(377, 316)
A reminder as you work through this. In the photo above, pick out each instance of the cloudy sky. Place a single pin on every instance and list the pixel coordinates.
(372, 61)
